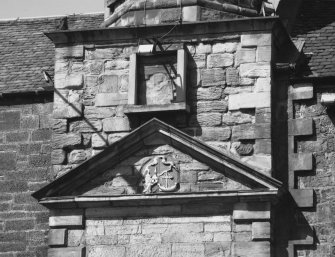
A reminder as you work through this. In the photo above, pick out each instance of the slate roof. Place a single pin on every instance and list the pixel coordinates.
(25, 51)
(316, 24)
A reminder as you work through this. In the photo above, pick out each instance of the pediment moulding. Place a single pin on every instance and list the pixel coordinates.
(164, 164)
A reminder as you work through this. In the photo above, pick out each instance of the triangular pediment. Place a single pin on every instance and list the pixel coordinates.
(155, 159)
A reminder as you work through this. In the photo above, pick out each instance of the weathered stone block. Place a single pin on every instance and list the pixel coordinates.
(263, 54)
(250, 211)
(198, 61)
(262, 162)
(116, 124)
(150, 250)
(188, 250)
(86, 126)
(99, 140)
(92, 112)
(263, 146)
(64, 218)
(69, 52)
(59, 126)
(7, 161)
(41, 135)
(261, 230)
(232, 77)
(301, 161)
(172, 228)
(75, 237)
(17, 137)
(203, 48)
(222, 237)
(66, 140)
(186, 237)
(300, 127)
(236, 118)
(245, 55)
(30, 122)
(216, 134)
(9, 120)
(220, 60)
(40, 160)
(108, 84)
(263, 115)
(263, 85)
(246, 249)
(68, 111)
(110, 99)
(251, 131)
(190, 13)
(112, 138)
(58, 156)
(257, 39)
(301, 91)
(210, 93)
(303, 197)
(74, 81)
(57, 237)
(229, 47)
(255, 70)
(116, 65)
(213, 77)
(78, 156)
(211, 106)
(206, 119)
(102, 240)
(66, 252)
(249, 100)
(218, 227)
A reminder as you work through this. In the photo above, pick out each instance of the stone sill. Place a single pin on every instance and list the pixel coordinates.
(156, 108)
(159, 199)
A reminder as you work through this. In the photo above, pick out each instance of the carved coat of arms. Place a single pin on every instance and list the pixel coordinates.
(159, 175)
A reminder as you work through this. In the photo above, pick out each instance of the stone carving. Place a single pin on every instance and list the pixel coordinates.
(244, 149)
(160, 175)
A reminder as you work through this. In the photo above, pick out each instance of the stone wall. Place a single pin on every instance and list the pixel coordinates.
(182, 229)
(228, 91)
(321, 177)
(25, 154)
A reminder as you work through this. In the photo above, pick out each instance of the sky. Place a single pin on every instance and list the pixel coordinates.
(39, 8)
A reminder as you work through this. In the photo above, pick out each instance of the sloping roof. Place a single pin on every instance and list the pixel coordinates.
(25, 51)
(316, 24)
(128, 145)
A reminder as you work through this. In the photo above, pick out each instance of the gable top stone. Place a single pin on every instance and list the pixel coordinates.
(136, 140)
